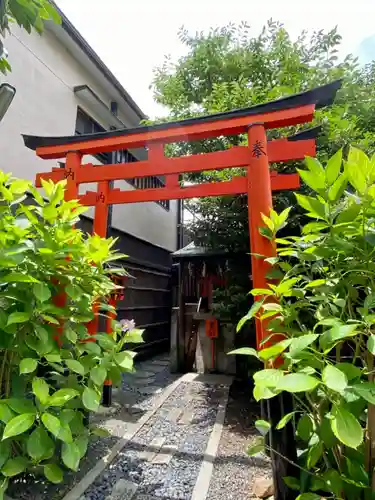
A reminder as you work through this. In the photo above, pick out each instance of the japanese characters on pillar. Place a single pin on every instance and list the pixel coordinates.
(259, 202)
(73, 163)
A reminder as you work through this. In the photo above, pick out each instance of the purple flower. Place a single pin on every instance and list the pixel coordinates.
(127, 325)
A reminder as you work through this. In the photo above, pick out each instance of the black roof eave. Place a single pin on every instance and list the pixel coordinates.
(320, 96)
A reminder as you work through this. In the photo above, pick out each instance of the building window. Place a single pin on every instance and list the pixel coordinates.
(87, 125)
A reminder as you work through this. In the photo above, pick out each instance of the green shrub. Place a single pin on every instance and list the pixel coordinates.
(51, 374)
(325, 307)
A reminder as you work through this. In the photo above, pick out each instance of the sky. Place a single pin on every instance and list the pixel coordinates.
(133, 36)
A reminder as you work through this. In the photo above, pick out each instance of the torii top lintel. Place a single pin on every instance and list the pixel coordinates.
(291, 110)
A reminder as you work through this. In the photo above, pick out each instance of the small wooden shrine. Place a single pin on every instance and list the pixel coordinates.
(198, 341)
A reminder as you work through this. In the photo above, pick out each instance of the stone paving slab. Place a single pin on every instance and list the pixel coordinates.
(170, 455)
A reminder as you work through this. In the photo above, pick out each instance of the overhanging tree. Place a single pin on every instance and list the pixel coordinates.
(28, 14)
(229, 68)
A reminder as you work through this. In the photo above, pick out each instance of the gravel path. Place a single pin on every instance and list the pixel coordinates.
(234, 472)
(164, 459)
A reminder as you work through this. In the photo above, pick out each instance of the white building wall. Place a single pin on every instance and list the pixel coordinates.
(44, 73)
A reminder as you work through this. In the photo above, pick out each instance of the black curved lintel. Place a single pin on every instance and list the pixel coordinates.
(320, 96)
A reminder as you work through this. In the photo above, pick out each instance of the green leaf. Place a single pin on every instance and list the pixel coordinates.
(28, 365)
(5, 413)
(314, 454)
(350, 214)
(346, 427)
(100, 432)
(338, 187)
(51, 423)
(313, 181)
(98, 374)
(65, 434)
(315, 283)
(269, 377)
(326, 433)
(50, 319)
(14, 466)
(286, 418)
(257, 292)
(273, 351)
(62, 396)
(5, 451)
(40, 445)
(18, 278)
(314, 165)
(18, 317)
(297, 382)
(18, 425)
(350, 370)
(91, 399)
(263, 392)
(92, 348)
(334, 379)
(357, 472)
(124, 359)
(366, 390)
(75, 366)
(247, 351)
(70, 456)
(312, 205)
(105, 342)
(333, 481)
(53, 358)
(41, 389)
(75, 292)
(53, 473)
(135, 336)
(298, 344)
(21, 405)
(256, 447)
(42, 333)
(333, 167)
(42, 292)
(309, 496)
(371, 344)
(252, 312)
(335, 334)
(71, 335)
(356, 177)
(263, 426)
(82, 443)
(305, 428)
(292, 483)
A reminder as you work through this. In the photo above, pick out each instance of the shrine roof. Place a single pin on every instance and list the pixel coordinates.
(319, 96)
(193, 250)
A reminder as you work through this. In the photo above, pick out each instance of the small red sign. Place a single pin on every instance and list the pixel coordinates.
(212, 329)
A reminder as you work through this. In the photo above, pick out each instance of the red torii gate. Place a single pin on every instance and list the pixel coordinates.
(258, 183)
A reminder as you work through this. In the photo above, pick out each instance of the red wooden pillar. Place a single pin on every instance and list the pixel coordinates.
(100, 228)
(260, 201)
(101, 209)
(73, 162)
(155, 155)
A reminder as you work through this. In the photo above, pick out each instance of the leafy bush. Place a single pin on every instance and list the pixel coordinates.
(51, 370)
(324, 306)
